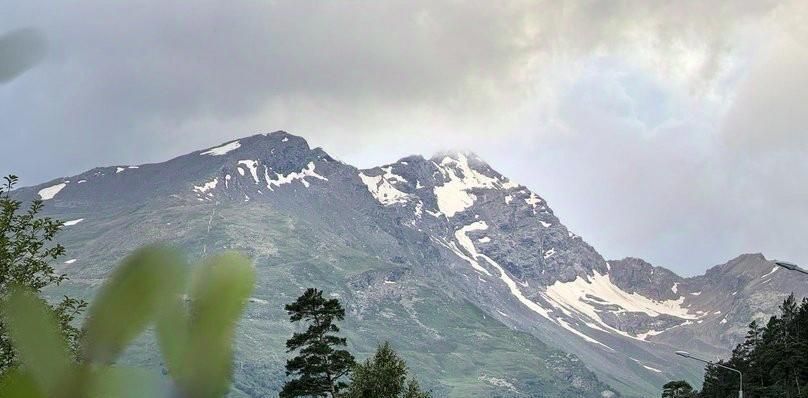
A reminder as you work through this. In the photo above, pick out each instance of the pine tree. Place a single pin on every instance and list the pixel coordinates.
(678, 389)
(773, 358)
(414, 390)
(383, 376)
(319, 366)
(26, 250)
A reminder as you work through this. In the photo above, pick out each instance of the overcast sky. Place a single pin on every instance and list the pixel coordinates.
(674, 131)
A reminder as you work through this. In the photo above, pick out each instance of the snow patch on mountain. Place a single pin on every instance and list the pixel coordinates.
(383, 190)
(498, 382)
(454, 196)
(587, 297)
(466, 243)
(774, 269)
(646, 366)
(510, 283)
(574, 294)
(221, 150)
(533, 200)
(508, 184)
(474, 264)
(51, 191)
(252, 165)
(281, 179)
(392, 177)
(419, 210)
(578, 333)
(73, 222)
(201, 189)
(474, 255)
(646, 335)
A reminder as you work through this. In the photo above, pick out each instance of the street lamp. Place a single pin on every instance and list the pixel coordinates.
(740, 375)
(789, 266)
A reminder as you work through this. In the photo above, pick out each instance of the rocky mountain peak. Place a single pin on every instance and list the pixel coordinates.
(637, 275)
(390, 236)
(283, 150)
(747, 266)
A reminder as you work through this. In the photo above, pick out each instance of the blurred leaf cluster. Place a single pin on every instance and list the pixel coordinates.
(195, 315)
(20, 50)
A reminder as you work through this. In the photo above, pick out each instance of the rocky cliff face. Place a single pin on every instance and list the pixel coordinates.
(470, 274)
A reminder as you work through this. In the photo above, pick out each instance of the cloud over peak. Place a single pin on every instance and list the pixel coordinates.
(636, 119)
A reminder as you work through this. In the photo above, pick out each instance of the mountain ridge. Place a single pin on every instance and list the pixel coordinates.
(449, 225)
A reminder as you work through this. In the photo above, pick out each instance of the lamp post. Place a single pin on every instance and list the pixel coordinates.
(791, 267)
(740, 375)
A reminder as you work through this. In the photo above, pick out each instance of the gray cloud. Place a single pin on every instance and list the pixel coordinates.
(671, 130)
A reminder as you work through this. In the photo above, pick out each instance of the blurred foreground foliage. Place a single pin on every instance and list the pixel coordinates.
(195, 314)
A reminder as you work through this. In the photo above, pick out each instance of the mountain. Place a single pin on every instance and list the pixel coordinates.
(470, 275)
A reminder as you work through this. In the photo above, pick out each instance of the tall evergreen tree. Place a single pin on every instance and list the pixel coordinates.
(26, 252)
(320, 366)
(678, 389)
(773, 358)
(383, 376)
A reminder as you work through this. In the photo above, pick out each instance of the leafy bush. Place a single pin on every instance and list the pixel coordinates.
(26, 250)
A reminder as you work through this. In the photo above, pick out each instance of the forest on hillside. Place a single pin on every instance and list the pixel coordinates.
(773, 359)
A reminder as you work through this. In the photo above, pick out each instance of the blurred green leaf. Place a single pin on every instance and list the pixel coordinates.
(126, 382)
(195, 337)
(219, 293)
(131, 299)
(17, 383)
(35, 332)
(172, 335)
